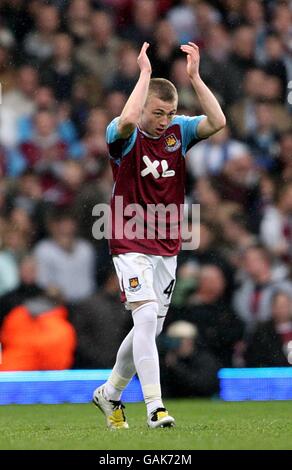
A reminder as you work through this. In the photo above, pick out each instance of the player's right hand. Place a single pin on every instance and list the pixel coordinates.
(143, 60)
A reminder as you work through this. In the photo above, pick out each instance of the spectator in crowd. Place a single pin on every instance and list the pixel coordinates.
(164, 49)
(17, 102)
(186, 283)
(179, 77)
(183, 20)
(144, 18)
(17, 235)
(241, 59)
(94, 146)
(242, 112)
(275, 60)
(125, 78)
(281, 23)
(207, 309)
(36, 335)
(26, 288)
(65, 193)
(209, 158)
(78, 20)
(206, 194)
(21, 221)
(18, 18)
(114, 103)
(7, 39)
(285, 156)
(206, 17)
(254, 14)
(267, 193)
(61, 71)
(272, 91)
(8, 267)
(276, 226)
(258, 87)
(44, 152)
(64, 261)
(80, 106)
(7, 73)
(252, 300)
(271, 344)
(18, 240)
(93, 318)
(215, 60)
(237, 237)
(38, 44)
(188, 369)
(232, 11)
(264, 137)
(3, 162)
(98, 54)
(27, 195)
(238, 180)
(207, 253)
(45, 100)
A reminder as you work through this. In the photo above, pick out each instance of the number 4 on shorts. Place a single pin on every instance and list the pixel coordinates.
(169, 289)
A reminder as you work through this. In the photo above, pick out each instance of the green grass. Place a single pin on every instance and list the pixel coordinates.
(201, 424)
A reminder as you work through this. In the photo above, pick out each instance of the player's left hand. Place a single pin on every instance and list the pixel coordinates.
(193, 58)
(143, 59)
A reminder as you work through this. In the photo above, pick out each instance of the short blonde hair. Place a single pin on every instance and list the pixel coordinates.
(163, 89)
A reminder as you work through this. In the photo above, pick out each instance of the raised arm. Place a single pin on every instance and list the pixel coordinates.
(215, 119)
(133, 107)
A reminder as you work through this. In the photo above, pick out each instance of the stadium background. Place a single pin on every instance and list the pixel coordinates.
(66, 69)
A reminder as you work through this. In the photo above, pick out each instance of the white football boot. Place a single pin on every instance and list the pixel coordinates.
(113, 410)
(160, 419)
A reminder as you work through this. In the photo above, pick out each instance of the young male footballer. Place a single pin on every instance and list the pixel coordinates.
(147, 146)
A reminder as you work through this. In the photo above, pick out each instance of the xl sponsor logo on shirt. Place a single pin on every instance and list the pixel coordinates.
(151, 168)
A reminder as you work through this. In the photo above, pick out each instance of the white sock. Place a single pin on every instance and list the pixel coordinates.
(153, 405)
(145, 353)
(124, 368)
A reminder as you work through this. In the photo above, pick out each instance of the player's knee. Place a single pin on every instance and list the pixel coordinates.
(146, 315)
(161, 318)
(134, 305)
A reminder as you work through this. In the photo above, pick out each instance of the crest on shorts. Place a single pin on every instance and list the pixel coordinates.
(172, 143)
(134, 284)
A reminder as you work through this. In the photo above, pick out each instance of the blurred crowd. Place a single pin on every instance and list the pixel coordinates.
(66, 70)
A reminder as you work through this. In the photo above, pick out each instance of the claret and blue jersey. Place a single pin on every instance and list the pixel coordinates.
(150, 170)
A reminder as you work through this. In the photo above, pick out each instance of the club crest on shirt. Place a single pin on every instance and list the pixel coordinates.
(134, 284)
(172, 143)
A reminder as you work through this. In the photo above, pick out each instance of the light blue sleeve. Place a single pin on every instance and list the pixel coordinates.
(188, 126)
(112, 136)
(112, 131)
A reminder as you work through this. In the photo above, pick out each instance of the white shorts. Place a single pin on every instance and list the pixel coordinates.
(146, 277)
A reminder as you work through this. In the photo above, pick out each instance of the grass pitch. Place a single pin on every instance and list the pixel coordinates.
(201, 424)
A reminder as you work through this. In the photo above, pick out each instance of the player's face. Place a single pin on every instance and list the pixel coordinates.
(157, 115)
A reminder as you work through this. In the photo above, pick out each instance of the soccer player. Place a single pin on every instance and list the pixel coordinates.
(147, 146)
